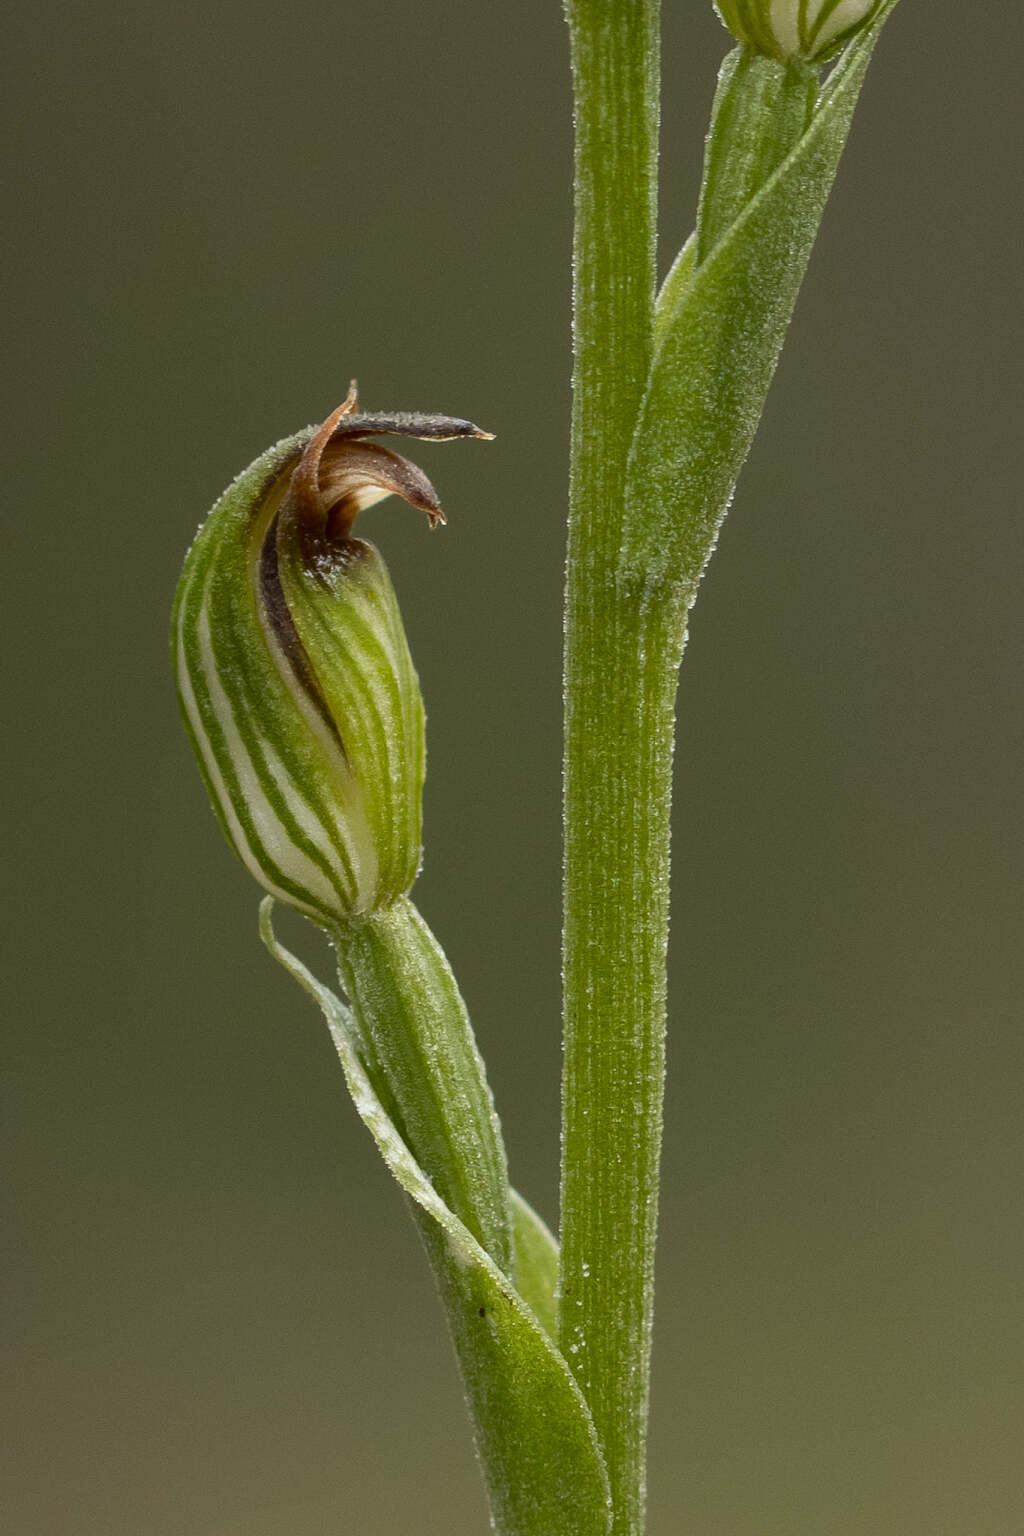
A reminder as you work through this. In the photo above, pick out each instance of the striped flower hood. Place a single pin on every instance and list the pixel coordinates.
(293, 671)
(811, 30)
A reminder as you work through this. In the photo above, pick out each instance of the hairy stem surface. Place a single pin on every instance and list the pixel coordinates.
(620, 667)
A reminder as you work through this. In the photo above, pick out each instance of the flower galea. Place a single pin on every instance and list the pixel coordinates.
(294, 675)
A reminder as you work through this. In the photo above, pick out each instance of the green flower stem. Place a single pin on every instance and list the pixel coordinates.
(620, 663)
(409, 1032)
(534, 1435)
(422, 1057)
(616, 937)
(666, 401)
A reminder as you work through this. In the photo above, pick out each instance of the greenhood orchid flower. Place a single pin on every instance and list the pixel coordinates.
(294, 675)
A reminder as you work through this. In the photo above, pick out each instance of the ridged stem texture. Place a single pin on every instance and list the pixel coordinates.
(666, 400)
(621, 655)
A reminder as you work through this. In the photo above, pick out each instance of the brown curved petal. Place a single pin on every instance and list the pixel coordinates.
(340, 473)
(355, 475)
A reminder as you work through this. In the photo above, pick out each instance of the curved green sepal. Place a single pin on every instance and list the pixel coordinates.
(345, 613)
(719, 348)
(282, 791)
(535, 1436)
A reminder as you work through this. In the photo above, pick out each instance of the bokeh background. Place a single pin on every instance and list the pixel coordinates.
(219, 1322)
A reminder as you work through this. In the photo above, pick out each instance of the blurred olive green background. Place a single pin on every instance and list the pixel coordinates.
(219, 1321)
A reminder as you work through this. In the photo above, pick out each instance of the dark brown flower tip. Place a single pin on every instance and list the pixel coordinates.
(340, 474)
(424, 425)
(355, 475)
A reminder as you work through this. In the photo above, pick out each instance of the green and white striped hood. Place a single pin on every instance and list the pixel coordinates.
(293, 671)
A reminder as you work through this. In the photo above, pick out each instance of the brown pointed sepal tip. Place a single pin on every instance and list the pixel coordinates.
(340, 472)
(425, 425)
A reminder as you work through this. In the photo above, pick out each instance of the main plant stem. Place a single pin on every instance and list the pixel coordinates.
(621, 658)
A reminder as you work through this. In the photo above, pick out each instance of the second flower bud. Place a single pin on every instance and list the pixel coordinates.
(811, 30)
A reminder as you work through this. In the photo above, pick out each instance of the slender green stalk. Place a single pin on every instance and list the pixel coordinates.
(665, 407)
(620, 666)
(534, 1436)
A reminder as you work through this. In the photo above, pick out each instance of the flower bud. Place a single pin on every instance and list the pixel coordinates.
(805, 29)
(293, 671)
